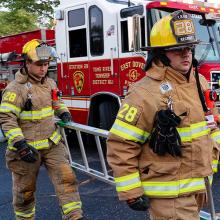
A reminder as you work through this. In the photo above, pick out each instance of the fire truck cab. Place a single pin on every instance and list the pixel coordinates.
(99, 44)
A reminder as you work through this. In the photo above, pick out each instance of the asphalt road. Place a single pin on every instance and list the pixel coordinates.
(99, 199)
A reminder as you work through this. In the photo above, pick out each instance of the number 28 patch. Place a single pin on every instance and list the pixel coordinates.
(129, 113)
(9, 96)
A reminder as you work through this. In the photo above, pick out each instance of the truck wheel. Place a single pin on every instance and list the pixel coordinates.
(107, 115)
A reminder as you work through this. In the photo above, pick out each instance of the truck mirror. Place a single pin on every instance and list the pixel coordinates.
(59, 15)
(5, 57)
(131, 11)
(133, 25)
(207, 22)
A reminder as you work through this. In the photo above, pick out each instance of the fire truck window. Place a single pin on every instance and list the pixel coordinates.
(96, 31)
(124, 36)
(76, 17)
(143, 36)
(77, 43)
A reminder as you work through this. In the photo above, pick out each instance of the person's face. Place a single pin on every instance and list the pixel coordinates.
(180, 59)
(38, 69)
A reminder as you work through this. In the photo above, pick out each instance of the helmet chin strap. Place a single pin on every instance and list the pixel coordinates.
(201, 96)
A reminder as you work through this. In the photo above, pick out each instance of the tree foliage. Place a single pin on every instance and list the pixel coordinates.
(26, 15)
(40, 7)
(14, 22)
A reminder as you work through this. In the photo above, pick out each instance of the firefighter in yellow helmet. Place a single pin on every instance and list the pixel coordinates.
(27, 117)
(161, 145)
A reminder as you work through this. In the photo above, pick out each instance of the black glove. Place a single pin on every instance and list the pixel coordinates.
(26, 152)
(65, 117)
(139, 204)
(164, 137)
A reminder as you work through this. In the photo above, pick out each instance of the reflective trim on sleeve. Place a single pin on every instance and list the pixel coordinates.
(6, 108)
(173, 188)
(13, 133)
(215, 166)
(42, 144)
(62, 106)
(55, 137)
(128, 182)
(194, 131)
(67, 208)
(216, 136)
(26, 214)
(129, 132)
(36, 115)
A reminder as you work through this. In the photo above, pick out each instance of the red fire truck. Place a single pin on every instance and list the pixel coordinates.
(11, 48)
(99, 44)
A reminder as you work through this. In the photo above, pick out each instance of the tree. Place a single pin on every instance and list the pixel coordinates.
(42, 9)
(14, 22)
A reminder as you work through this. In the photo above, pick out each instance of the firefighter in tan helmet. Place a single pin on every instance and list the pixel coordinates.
(27, 117)
(161, 145)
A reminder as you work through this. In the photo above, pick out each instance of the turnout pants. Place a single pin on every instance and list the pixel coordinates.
(182, 208)
(24, 176)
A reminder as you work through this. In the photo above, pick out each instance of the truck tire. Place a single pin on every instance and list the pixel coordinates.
(107, 115)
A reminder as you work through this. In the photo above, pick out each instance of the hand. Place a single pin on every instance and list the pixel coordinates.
(65, 117)
(139, 204)
(26, 152)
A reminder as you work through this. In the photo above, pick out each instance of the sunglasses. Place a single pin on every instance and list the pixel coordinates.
(181, 49)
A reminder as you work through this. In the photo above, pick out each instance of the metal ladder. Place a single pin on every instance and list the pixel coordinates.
(103, 175)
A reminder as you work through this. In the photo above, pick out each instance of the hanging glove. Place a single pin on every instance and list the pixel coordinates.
(65, 117)
(165, 138)
(26, 152)
(139, 204)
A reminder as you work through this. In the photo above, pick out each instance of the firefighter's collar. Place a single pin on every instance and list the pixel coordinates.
(157, 71)
(174, 75)
(21, 76)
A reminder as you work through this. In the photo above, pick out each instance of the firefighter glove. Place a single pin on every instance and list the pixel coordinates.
(26, 152)
(65, 117)
(165, 137)
(139, 204)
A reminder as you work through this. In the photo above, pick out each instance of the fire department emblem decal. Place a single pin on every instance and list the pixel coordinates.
(78, 79)
(133, 75)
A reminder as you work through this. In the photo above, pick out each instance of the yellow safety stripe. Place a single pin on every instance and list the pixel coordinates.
(55, 137)
(42, 144)
(13, 133)
(216, 136)
(67, 208)
(128, 182)
(173, 188)
(194, 131)
(6, 107)
(37, 115)
(26, 214)
(132, 133)
(39, 145)
(62, 106)
(129, 132)
(215, 166)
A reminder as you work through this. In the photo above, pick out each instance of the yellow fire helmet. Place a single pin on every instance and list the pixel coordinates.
(37, 50)
(174, 30)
